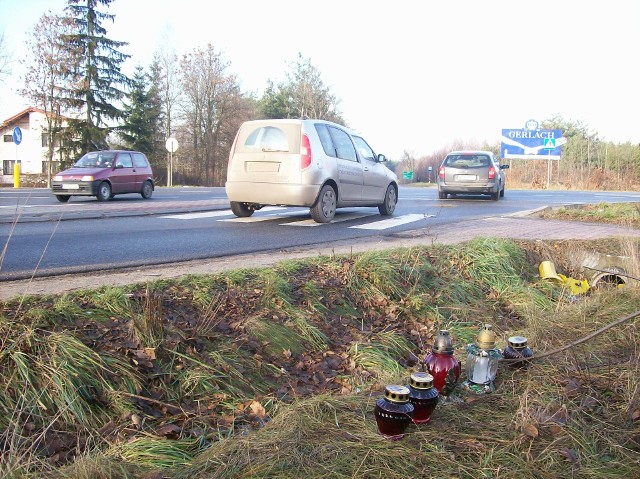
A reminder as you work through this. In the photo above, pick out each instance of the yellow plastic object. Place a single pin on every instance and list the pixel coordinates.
(577, 286)
(548, 271)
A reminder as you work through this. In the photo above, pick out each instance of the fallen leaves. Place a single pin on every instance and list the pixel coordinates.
(531, 431)
(570, 455)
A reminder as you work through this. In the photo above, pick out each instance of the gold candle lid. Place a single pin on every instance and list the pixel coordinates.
(518, 342)
(486, 338)
(421, 380)
(442, 343)
(397, 394)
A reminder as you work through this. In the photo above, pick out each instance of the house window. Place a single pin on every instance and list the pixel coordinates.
(55, 167)
(8, 138)
(7, 167)
(44, 140)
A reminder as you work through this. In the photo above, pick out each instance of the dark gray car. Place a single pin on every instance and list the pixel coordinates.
(473, 173)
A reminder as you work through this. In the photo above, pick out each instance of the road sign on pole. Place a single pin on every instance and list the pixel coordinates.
(171, 145)
(529, 142)
(17, 139)
(17, 135)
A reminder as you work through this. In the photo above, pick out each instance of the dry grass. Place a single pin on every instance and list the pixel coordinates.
(274, 373)
(625, 214)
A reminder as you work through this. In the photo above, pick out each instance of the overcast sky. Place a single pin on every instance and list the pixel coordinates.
(410, 75)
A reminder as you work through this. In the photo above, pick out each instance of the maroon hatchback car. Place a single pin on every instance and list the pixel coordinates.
(104, 174)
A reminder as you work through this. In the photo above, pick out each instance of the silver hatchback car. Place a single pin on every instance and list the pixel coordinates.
(473, 173)
(312, 163)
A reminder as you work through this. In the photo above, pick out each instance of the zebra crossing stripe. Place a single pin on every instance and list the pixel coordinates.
(212, 214)
(336, 219)
(307, 222)
(194, 216)
(390, 223)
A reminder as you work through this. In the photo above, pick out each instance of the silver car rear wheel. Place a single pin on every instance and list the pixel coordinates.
(241, 210)
(325, 208)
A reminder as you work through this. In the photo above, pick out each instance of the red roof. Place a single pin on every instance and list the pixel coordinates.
(25, 112)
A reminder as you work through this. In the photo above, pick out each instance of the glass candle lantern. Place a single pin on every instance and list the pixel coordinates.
(518, 348)
(423, 395)
(393, 412)
(482, 362)
(442, 364)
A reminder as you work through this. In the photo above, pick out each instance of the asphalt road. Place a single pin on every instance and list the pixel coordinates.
(42, 237)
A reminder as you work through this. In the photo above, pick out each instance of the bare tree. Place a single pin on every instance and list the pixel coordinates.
(169, 88)
(310, 95)
(213, 107)
(304, 94)
(5, 58)
(48, 73)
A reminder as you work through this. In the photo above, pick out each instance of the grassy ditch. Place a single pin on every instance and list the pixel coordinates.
(274, 373)
(624, 214)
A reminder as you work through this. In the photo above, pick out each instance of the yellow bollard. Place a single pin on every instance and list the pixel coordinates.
(16, 175)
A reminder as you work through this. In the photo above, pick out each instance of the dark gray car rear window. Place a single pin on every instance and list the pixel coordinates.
(268, 138)
(467, 161)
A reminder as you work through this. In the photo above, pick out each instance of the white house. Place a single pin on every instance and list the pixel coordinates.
(32, 151)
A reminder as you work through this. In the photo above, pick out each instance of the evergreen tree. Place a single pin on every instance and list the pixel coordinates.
(274, 102)
(142, 128)
(100, 87)
(304, 94)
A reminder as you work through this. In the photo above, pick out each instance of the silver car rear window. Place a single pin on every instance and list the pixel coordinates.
(267, 138)
(467, 161)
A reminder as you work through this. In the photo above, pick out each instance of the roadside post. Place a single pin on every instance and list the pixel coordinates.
(549, 145)
(17, 139)
(171, 145)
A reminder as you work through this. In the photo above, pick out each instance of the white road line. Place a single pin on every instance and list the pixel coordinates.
(193, 216)
(390, 223)
(212, 214)
(307, 222)
(253, 219)
(28, 206)
(336, 219)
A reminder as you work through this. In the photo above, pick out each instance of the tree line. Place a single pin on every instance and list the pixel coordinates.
(73, 73)
(587, 162)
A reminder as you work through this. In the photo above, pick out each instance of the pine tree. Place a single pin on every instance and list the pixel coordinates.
(100, 88)
(142, 128)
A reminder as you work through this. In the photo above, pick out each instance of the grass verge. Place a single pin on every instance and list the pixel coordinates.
(275, 372)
